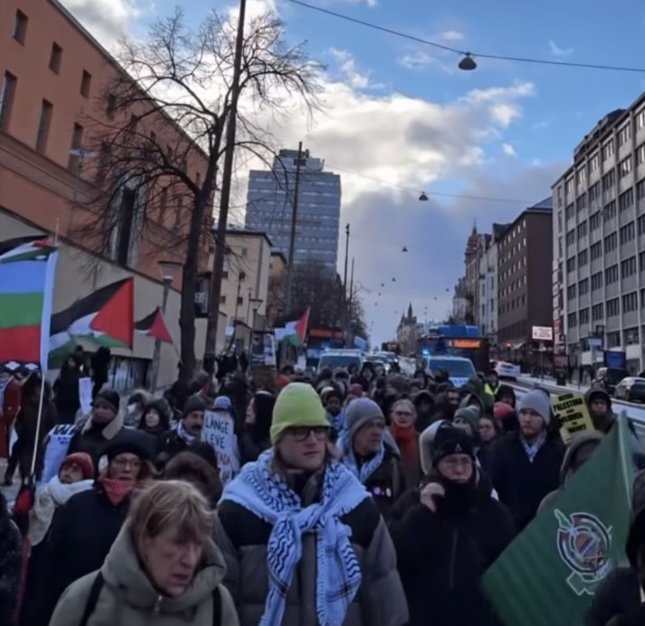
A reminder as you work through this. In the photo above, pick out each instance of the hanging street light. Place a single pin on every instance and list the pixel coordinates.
(467, 63)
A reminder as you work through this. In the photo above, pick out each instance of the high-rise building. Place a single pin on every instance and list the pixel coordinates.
(599, 241)
(270, 200)
(524, 253)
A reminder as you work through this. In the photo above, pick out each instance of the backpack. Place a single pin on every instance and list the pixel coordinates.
(97, 586)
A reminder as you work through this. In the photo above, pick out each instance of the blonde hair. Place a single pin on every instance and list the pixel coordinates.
(170, 505)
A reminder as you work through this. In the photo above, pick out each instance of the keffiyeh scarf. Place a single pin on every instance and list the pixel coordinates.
(259, 490)
(366, 469)
(532, 449)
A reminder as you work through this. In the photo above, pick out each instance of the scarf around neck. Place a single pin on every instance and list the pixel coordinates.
(532, 449)
(185, 435)
(117, 490)
(406, 439)
(366, 469)
(49, 498)
(265, 494)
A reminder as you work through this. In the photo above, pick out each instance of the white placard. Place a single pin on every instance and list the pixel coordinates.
(56, 449)
(85, 394)
(542, 333)
(219, 432)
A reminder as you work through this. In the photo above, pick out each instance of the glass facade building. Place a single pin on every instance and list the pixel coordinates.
(269, 207)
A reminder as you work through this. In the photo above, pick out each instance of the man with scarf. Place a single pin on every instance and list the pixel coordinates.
(188, 431)
(304, 543)
(446, 541)
(373, 459)
(525, 465)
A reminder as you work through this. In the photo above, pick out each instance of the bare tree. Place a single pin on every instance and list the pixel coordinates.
(316, 288)
(159, 137)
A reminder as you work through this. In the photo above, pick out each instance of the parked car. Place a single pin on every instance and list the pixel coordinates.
(631, 389)
(608, 378)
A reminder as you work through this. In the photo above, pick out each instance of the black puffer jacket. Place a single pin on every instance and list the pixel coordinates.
(10, 564)
(442, 556)
(619, 594)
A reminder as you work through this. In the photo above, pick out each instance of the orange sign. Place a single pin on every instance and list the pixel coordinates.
(466, 343)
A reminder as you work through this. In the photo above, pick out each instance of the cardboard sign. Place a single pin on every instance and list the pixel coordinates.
(572, 413)
(56, 448)
(219, 433)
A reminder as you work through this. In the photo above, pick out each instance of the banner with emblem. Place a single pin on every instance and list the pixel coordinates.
(552, 570)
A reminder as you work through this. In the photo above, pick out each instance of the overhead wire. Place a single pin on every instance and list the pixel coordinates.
(466, 53)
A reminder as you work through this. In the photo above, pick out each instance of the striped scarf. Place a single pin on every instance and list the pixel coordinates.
(366, 469)
(259, 490)
(532, 449)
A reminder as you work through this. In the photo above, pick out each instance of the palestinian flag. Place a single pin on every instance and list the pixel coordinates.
(105, 317)
(27, 271)
(296, 330)
(154, 326)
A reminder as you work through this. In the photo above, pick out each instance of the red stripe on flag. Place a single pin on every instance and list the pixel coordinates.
(116, 316)
(21, 344)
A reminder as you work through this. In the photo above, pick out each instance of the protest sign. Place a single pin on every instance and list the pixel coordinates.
(85, 394)
(219, 432)
(572, 413)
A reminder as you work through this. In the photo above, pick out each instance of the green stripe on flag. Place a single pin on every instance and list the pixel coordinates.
(21, 309)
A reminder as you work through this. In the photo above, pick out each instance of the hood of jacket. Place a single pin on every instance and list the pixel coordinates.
(579, 440)
(123, 573)
(426, 443)
(110, 430)
(505, 390)
(595, 392)
(423, 395)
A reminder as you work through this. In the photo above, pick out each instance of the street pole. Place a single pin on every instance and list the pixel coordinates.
(350, 298)
(225, 196)
(292, 238)
(156, 355)
(344, 303)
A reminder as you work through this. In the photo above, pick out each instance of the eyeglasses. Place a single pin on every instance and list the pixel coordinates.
(121, 462)
(301, 433)
(403, 413)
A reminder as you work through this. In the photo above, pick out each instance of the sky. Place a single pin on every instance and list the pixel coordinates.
(399, 118)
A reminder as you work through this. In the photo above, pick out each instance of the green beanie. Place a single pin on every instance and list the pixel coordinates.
(298, 405)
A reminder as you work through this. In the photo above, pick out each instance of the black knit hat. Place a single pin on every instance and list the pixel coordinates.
(451, 440)
(109, 396)
(194, 403)
(636, 536)
(134, 442)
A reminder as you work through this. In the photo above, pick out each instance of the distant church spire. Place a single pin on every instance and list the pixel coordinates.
(410, 311)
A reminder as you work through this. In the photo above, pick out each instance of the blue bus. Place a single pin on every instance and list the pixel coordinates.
(457, 340)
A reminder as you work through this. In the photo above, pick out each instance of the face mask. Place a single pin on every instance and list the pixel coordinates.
(132, 408)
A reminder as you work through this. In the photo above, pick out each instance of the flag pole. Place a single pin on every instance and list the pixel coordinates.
(41, 402)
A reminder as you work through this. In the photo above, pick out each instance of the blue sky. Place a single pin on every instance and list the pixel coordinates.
(400, 113)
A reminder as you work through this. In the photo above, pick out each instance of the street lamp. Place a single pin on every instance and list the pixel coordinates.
(467, 63)
(168, 274)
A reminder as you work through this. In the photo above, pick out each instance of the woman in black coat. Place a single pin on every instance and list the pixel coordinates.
(448, 538)
(255, 437)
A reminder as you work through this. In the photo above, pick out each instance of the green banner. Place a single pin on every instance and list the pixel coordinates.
(550, 573)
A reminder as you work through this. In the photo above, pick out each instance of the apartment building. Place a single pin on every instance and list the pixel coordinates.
(53, 96)
(270, 200)
(599, 241)
(488, 284)
(245, 281)
(524, 286)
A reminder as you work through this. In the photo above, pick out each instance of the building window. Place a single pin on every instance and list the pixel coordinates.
(625, 167)
(44, 125)
(596, 281)
(20, 27)
(611, 275)
(596, 251)
(572, 320)
(630, 302)
(225, 274)
(594, 221)
(244, 252)
(583, 258)
(222, 299)
(7, 95)
(613, 307)
(627, 233)
(55, 58)
(628, 267)
(583, 317)
(75, 152)
(110, 106)
(240, 300)
(571, 292)
(86, 84)
(597, 312)
(610, 242)
(624, 135)
(583, 287)
(242, 276)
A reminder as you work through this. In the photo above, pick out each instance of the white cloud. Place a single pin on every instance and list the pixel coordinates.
(420, 60)
(388, 147)
(556, 51)
(107, 20)
(451, 35)
(509, 150)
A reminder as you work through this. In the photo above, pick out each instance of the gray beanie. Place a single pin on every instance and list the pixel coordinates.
(537, 401)
(360, 412)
